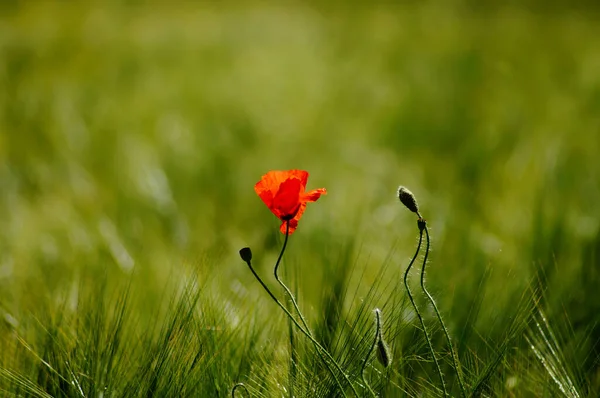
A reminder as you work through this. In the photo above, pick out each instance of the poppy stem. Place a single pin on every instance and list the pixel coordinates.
(293, 358)
(297, 308)
(285, 241)
(412, 301)
(364, 367)
(287, 290)
(455, 359)
(319, 348)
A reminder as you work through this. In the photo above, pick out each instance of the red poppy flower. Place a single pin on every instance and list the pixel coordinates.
(283, 193)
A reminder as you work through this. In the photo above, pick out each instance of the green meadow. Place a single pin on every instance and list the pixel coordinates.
(131, 137)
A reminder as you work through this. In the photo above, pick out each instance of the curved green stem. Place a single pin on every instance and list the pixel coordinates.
(364, 367)
(305, 330)
(239, 385)
(412, 301)
(287, 290)
(293, 359)
(455, 359)
(297, 308)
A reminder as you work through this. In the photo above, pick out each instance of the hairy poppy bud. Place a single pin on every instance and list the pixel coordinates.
(408, 199)
(246, 254)
(383, 352)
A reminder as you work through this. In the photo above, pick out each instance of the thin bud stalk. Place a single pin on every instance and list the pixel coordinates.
(407, 198)
(371, 348)
(425, 332)
(305, 330)
(455, 360)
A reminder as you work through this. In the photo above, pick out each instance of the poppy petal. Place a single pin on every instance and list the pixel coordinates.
(266, 196)
(294, 221)
(268, 186)
(270, 182)
(287, 200)
(302, 175)
(312, 196)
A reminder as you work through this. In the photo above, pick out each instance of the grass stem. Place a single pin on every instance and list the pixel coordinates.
(364, 367)
(297, 308)
(412, 301)
(455, 360)
(305, 330)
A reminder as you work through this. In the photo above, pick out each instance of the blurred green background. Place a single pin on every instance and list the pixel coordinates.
(131, 137)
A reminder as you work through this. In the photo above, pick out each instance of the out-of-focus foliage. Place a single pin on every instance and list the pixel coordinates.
(131, 137)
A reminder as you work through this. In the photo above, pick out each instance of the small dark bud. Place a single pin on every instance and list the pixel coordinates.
(421, 223)
(246, 254)
(383, 352)
(408, 199)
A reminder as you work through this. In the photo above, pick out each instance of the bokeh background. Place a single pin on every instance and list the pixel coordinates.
(131, 136)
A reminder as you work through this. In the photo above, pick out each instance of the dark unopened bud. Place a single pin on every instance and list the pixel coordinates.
(246, 254)
(383, 352)
(408, 199)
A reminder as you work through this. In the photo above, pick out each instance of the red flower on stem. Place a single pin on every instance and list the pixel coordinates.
(283, 193)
